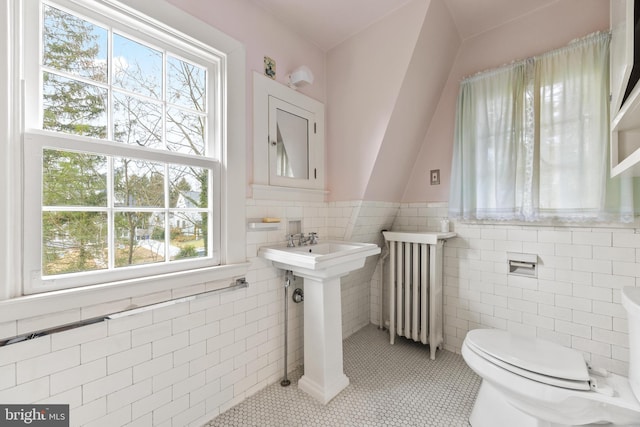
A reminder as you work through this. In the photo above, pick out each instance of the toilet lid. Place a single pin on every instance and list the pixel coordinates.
(531, 357)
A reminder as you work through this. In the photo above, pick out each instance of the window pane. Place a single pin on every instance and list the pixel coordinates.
(574, 130)
(186, 84)
(189, 225)
(137, 68)
(139, 238)
(138, 183)
(136, 121)
(188, 187)
(74, 45)
(185, 132)
(73, 179)
(187, 234)
(74, 107)
(73, 242)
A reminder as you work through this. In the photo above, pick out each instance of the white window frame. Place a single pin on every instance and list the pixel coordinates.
(35, 140)
(160, 17)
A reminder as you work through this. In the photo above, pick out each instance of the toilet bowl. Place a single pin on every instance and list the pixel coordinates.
(530, 382)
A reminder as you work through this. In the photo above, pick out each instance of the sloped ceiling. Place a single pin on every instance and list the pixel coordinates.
(416, 102)
(365, 76)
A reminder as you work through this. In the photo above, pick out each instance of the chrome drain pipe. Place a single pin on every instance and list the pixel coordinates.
(287, 282)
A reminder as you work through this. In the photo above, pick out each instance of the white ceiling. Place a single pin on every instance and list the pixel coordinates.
(327, 23)
(473, 17)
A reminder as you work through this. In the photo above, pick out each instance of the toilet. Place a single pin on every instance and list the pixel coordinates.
(530, 382)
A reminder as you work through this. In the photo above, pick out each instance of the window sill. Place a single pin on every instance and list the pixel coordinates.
(118, 296)
(550, 223)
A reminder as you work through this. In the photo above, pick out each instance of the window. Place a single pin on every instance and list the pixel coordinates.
(531, 141)
(123, 144)
(162, 27)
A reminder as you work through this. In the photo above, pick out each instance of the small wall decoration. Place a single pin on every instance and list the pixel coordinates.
(269, 67)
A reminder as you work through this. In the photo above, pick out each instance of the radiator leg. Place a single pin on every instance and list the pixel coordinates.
(392, 295)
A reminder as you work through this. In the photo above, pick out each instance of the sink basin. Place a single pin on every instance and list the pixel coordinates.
(325, 259)
(327, 248)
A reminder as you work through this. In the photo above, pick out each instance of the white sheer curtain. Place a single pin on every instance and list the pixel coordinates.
(489, 160)
(532, 141)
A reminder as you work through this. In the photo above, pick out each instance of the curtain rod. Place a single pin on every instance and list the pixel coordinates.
(516, 62)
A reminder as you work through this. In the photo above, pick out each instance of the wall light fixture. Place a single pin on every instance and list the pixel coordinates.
(300, 76)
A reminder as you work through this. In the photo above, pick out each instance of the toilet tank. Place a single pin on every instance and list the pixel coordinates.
(631, 303)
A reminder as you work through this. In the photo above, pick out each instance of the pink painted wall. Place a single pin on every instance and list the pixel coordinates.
(382, 140)
(262, 35)
(426, 76)
(365, 75)
(535, 33)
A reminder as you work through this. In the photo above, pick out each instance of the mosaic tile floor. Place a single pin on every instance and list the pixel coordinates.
(391, 385)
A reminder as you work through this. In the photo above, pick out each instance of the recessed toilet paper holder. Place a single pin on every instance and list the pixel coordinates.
(522, 264)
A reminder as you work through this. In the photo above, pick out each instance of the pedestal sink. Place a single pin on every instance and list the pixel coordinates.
(322, 265)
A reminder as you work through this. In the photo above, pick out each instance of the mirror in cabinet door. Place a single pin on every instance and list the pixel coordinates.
(290, 135)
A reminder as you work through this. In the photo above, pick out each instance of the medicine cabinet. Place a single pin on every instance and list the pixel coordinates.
(625, 92)
(288, 144)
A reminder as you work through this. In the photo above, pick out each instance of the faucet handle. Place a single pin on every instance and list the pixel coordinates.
(301, 239)
(313, 238)
(290, 242)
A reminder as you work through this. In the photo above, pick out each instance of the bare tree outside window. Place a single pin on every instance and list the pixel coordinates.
(104, 211)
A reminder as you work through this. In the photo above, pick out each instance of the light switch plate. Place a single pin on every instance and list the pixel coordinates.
(435, 177)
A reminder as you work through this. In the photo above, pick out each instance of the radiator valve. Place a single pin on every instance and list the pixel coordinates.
(298, 295)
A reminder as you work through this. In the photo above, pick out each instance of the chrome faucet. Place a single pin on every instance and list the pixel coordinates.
(303, 240)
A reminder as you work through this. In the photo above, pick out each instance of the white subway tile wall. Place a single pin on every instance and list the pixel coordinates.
(360, 222)
(175, 365)
(574, 301)
(185, 363)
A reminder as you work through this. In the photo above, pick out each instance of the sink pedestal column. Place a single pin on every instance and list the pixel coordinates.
(321, 266)
(323, 375)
